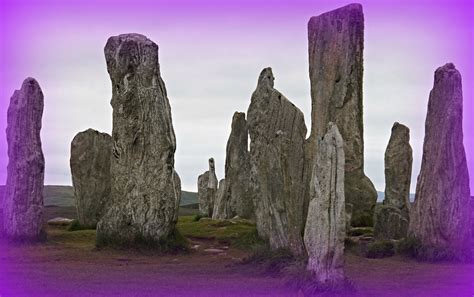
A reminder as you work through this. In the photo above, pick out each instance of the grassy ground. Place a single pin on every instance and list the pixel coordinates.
(69, 264)
(239, 233)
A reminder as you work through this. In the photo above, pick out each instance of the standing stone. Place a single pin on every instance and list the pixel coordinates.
(23, 201)
(236, 199)
(90, 169)
(390, 223)
(391, 218)
(440, 215)
(336, 43)
(277, 133)
(398, 167)
(204, 205)
(220, 208)
(145, 188)
(207, 190)
(325, 229)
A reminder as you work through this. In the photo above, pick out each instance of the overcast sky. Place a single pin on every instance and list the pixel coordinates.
(211, 55)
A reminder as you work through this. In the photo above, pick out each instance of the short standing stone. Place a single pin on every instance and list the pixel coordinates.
(336, 43)
(390, 223)
(440, 214)
(145, 188)
(325, 229)
(277, 134)
(90, 169)
(23, 201)
(207, 190)
(391, 219)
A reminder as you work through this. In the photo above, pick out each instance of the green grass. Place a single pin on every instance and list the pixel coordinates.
(197, 217)
(413, 248)
(76, 226)
(241, 233)
(380, 249)
(80, 238)
(358, 231)
(172, 244)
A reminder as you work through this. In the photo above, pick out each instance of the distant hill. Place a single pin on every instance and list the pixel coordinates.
(188, 198)
(63, 196)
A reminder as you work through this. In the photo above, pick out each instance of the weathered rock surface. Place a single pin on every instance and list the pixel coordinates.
(391, 219)
(336, 43)
(23, 201)
(325, 229)
(220, 206)
(398, 167)
(145, 188)
(90, 169)
(237, 200)
(277, 133)
(390, 223)
(440, 214)
(207, 190)
(203, 197)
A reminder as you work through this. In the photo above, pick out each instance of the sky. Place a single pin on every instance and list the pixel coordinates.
(211, 53)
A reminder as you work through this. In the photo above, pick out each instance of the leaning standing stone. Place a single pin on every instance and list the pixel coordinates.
(440, 216)
(145, 189)
(23, 201)
(336, 44)
(325, 229)
(277, 134)
(90, 170)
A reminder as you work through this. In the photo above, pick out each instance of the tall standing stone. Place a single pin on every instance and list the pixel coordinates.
(391, 218)
(90, 169)
(145, 188)
(325, 229)
(277, 134)
(236, 199)
(398, 167)
(207, 190)
(23, 201)
(336, 43)
(440, 214)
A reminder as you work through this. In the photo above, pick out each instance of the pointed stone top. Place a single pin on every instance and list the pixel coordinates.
(30, 90)
(266, 79)
(401, 132)
(211, 164)
(30, 82)
(30, 85)
(447, 71)
(398, 126)
(238, 116)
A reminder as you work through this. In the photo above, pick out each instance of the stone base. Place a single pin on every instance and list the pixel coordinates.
(389, 223)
